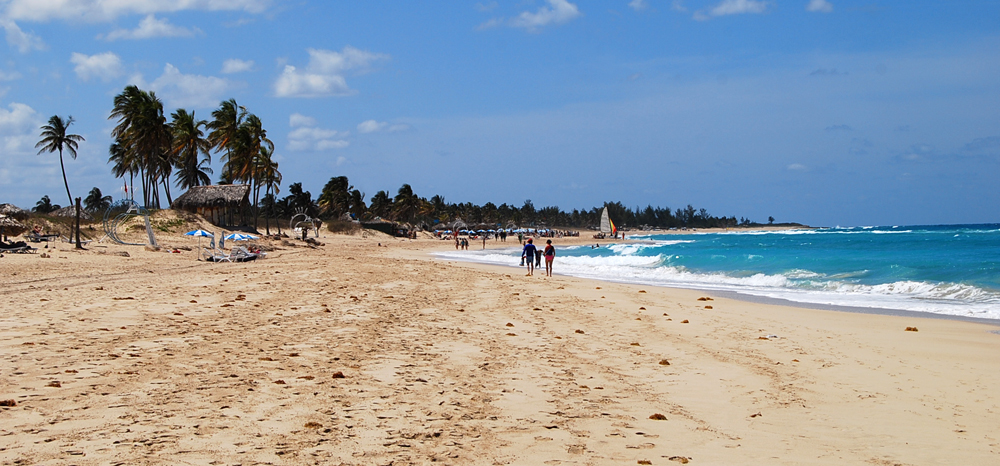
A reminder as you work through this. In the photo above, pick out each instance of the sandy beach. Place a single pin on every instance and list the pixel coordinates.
(351, 353)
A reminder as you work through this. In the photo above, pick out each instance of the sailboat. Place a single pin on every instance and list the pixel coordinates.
(607, 226)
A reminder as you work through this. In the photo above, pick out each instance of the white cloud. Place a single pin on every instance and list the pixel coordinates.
(307, 137)
(678, 5)
(23, 41)
(558, 12)
(18, 124)
(5, 76)
(297, 119)
(638, 5)
(235, 65)
(104, 66)
(188, 90)
(733, 7)
(149, 28)
(485, 7)
(821, 6)
(371, 126)
(797, 167)
(324, 75)
(106, 10)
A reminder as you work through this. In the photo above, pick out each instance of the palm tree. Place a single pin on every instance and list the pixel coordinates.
(145, 139)
(335, 199)
(44, 205)
(381, 204)
(188, 144)
(270, 177)
(96, 201)
(223, 128)
(406, 204)
(55, 139)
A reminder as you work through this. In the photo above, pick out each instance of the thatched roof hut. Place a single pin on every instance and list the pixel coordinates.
(14, 211)
(222, 205)
(70, 212)
(10, 226)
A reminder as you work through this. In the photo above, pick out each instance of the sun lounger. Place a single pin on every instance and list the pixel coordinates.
(37, 238)
(215, 255)
(16, 248)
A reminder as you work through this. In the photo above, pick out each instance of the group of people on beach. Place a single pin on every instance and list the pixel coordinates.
(532, 256)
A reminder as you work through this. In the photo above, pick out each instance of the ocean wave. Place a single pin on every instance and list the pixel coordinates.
(797, 285)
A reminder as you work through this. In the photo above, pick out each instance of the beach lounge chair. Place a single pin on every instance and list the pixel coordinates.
(38, 238)
(243, 254)
(19, 247)
(215, 255)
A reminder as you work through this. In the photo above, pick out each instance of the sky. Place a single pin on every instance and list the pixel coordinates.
(825, 112)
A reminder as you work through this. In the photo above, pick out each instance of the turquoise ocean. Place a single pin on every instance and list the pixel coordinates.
(941, 269)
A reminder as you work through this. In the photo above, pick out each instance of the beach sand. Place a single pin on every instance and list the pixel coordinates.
(350, 353)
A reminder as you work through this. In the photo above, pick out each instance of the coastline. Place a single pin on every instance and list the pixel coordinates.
(738, 295)
(159, 356)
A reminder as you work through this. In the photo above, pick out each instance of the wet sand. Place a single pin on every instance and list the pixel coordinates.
(351, 353)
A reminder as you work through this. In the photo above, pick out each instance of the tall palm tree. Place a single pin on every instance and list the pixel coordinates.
(335, 198)
(406, 204)
(226, 121)
(142, 133)
(190, 149)
(270, 177)
(55, 139)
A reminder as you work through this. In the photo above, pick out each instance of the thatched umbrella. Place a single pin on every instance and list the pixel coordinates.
(10, 227)
(14, 212)
(70, 212)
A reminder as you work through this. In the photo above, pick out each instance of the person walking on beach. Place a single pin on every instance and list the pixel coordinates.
(538, 258)
(528, 253)
(550, 254)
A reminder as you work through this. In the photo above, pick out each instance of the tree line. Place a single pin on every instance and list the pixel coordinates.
(159, 152)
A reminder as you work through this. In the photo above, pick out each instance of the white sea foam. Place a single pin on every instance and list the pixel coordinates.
(797, 285)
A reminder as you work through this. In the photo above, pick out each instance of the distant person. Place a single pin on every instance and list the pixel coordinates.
(550, 255)
(520, 238)
(527, 254)
(484, 241)
(538, 257)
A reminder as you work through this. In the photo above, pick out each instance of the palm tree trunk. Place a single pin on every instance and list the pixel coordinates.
(61, 165)
(166, 187)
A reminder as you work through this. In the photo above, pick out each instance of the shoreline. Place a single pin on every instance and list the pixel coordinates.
(747, 297)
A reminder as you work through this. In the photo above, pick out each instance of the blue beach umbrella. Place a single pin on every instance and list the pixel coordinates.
(199, 234)
(240, 237)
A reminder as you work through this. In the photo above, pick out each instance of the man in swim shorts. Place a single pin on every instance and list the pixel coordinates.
(528, 253)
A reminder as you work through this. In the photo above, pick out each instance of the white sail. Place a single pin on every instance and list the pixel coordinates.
(605, 222)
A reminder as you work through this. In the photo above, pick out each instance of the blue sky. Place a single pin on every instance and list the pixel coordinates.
(828, 112)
